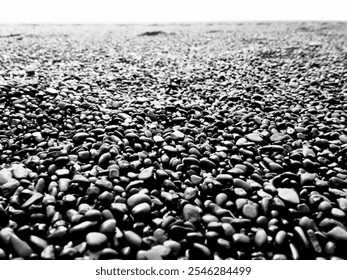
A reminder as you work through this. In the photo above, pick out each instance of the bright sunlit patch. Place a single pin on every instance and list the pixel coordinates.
(109, 11)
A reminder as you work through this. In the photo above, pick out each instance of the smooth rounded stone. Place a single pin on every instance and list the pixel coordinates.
(221, 199)
(5, 176)
(260, 238)
(146, 173)
(337, 234)
(343, 138)
(2, 254)
(8, 188)
(80, 137)
(199, 252)
(289, 195)
(279, 257)
(224, 178)
(33, 199)
(281, 238)
(19, 172)
(38, 242)
(138, 198)
(238, 183)
(191, 213)
(104, 160)
(208, 218)
(92, 215)
(40, 185)
(96, 240)
(142, 210)
(170, 149)
(338, 183)
(337, 213)
(342, 203)
(330, 248)
(324, 206)
(108, 254)
(64, 184)
(254, 137)
(132, 238)
(249, 211)
(241, 239)
(207, 164)
(240, 192)
(21, 248)
(275, 167)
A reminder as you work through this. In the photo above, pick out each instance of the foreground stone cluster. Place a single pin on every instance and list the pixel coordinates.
(220, 141)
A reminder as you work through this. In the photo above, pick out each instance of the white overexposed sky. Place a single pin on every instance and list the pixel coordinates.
(115, 11)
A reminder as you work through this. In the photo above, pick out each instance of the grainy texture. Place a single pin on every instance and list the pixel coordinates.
(204, 141)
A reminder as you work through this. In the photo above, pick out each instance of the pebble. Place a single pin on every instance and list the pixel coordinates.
(96, 240)
(146, 173)
(21, 248)
(289, 195)
(337, 234)
(238, 183)
(249, 211)
(141, 211)
(260, 238)
(138, 199)
(133, 238)
(191, 213)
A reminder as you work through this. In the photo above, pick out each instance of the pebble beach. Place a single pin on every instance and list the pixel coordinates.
(174, 141)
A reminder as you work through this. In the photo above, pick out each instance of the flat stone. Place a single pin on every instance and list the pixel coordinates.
(254, 137)
(138, 198)
(289, 195)
(33, 199)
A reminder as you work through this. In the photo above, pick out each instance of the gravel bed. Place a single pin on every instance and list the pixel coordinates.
(204, 141)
